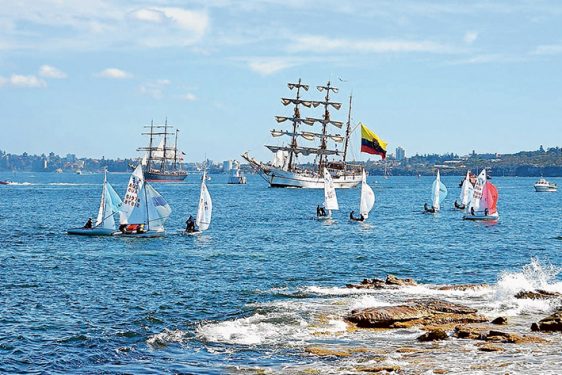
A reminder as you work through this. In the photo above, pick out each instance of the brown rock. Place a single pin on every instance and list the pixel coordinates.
(462, 287)
(377, 317)
(440, 371)
(500, 320)
(436, 305)
(490, 348)
(537, 294)
(387, 368)
(552, 323)
(434, 335)
(466, 332)
(393, 280)
(326, 352)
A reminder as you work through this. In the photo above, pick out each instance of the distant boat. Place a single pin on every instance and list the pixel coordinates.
(236, 177)
(144, 210)
(58, 170)
(4, 182)
(483, 204)
(78, 171)
(110, 204)
(367, 200)
(466, 192)
(543, 186)
(162, 161)
(330, 198)
(438, 195)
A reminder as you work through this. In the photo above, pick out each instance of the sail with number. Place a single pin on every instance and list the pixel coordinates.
(143, 204)
(483, 205)
(110, 204)
(367, 197)
(439, 192)
(477, 193)
(205, 209)
(330, 198)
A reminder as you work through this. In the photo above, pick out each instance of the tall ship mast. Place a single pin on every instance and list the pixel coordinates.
(310, 137)
(162, 161)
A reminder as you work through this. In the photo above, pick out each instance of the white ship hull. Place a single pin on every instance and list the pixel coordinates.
(277, 177)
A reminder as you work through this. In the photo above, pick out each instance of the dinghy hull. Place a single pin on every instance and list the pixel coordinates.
(148, 234)
(481, 217)
(91, 231)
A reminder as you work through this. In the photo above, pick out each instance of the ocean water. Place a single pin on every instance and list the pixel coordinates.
(266, 282)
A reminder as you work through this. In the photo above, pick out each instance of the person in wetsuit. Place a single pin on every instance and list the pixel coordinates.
(89, 224)
(360, 218)
(190, 225)
(428, 209)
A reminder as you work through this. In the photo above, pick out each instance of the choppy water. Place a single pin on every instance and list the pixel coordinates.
(265, 282)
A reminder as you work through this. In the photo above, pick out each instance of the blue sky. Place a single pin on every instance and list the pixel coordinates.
(83, 77)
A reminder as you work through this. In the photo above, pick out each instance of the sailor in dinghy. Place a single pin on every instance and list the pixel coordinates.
(105, 223)
(330, 198)
(466, 192)
(144, 210)
(204, 211)
(438, 195)
(367, 201)
(483, 205)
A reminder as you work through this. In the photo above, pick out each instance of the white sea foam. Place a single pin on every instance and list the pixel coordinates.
(166, 337)
(258, 329)
(20, 183)
(364, 301)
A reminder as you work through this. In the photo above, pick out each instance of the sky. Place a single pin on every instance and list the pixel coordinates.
(84, 77)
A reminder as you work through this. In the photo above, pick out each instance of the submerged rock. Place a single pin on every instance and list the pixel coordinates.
(326, 352)
(434, 335)
(393, 280)
(474, 333)
(462, 287)
(375, 369)
(552, 323)
(537, 294)
(490, 348)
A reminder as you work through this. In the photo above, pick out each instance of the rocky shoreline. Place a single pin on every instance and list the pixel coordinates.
(443, 321)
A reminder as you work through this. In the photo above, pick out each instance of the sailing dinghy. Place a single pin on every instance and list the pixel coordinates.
(466, 193)
(330, 198)
(204, 210)
(105, 223)
(483, 205)
(367, 201)
(438, 195)
(144, 210)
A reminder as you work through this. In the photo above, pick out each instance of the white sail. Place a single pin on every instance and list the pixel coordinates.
(110, 204)
(205, 209)
(280, 159)
(158, 209)
(439, 192)
(367, 197)
(330, 198)
(477, 193)
(466, 190)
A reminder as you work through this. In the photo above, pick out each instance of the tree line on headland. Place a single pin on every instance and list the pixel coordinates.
(547, 163)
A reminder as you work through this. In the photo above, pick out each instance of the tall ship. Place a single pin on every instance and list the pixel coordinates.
(162, 161)
(310, 137)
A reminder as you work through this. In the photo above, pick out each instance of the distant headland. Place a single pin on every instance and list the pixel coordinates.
(547, 163)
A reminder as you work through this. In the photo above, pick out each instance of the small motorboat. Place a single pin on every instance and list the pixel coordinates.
(543, 186)
(4, 182)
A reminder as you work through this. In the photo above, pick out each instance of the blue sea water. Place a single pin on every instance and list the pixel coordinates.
(249, 293)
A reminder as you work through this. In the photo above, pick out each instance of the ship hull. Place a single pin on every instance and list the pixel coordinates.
(164, 177)
(279, 178)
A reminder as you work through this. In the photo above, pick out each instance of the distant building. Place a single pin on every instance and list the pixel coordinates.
(400, 153)
(227, 165)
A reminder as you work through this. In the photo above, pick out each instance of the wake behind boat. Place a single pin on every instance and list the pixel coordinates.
(105, 223)
(144, 210)
(284, 171)
(483, 204)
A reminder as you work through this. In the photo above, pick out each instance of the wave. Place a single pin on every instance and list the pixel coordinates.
(166, 337)
(20, 183)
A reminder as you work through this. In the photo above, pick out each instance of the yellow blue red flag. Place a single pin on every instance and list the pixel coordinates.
(371, 143)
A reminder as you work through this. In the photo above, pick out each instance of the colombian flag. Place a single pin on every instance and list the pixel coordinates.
(371, 143)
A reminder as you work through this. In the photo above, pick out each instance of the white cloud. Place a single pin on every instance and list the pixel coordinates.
(148, 15)
(470, 37)
(48, 71)
(114, 73)
(321, 44)
(548, 49)
(18, 80)
(189, 97)
(155, 88)
(191, 20)
(267, 66)
(487, 59)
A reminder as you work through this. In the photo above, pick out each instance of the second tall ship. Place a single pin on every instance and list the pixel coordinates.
(285, 169)
(162, 161)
